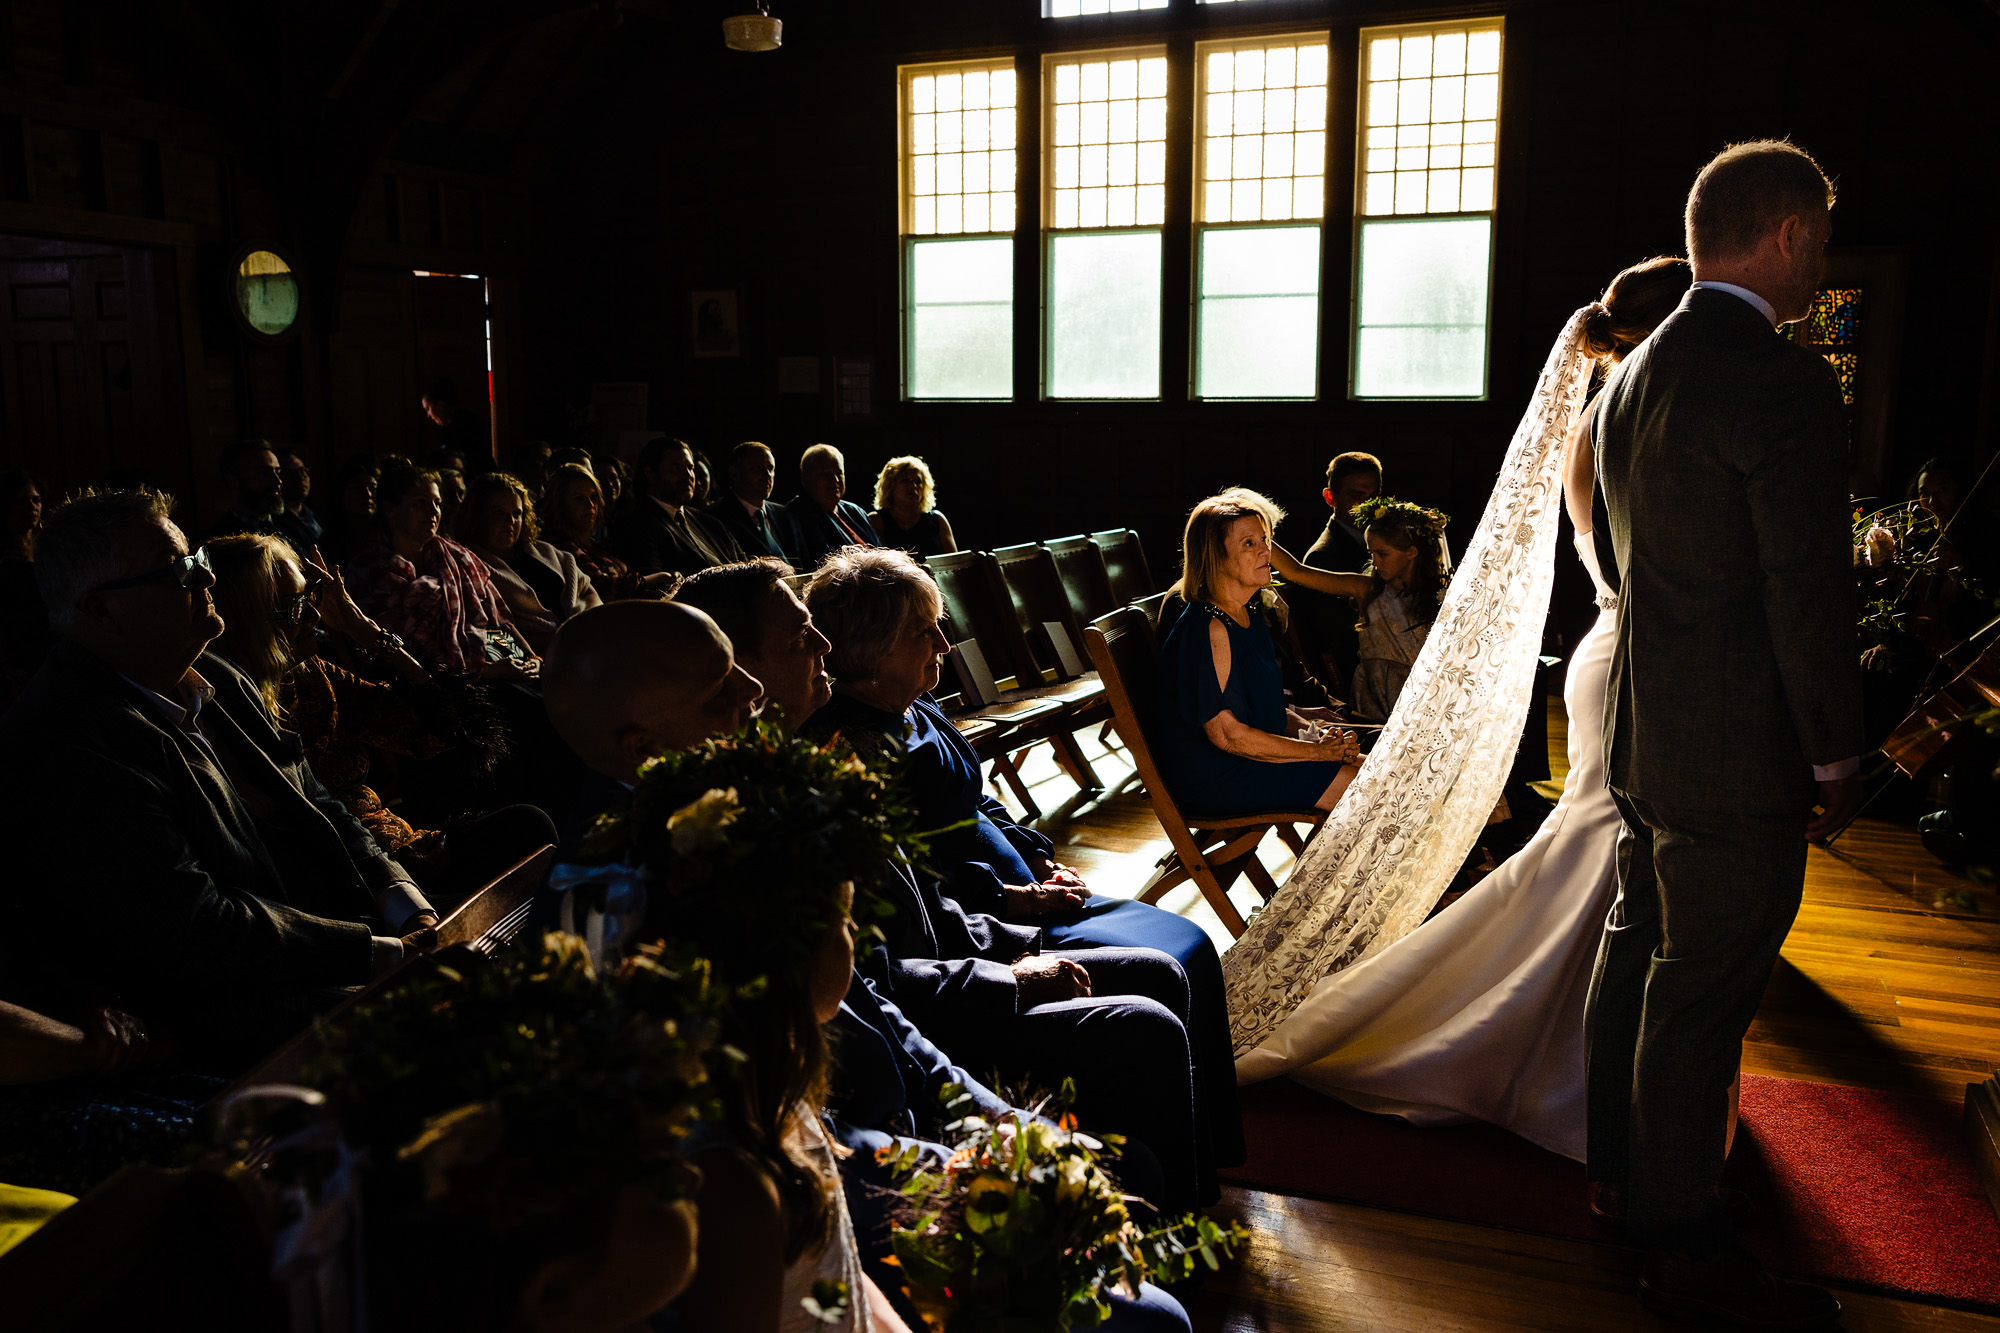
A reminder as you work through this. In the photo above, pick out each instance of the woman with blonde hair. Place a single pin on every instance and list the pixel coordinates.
(542, 585)
(273, 607)
(1228, 744)
(906, 514)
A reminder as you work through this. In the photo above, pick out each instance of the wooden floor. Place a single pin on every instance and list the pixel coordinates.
(1879, 987)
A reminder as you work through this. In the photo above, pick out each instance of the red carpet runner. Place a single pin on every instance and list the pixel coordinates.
(1868, 1188)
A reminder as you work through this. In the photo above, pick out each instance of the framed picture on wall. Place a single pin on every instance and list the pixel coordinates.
(854, 385)
(715, 323)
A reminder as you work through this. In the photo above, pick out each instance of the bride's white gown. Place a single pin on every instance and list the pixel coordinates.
(1477, 1014)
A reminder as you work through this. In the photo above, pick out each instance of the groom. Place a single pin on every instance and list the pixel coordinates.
(1733, 708)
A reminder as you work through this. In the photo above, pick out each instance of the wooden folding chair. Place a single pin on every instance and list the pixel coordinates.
(976, 608)
(485, 923)
(1054, 637)
(1122, 646)
(1084, 579)
(1125, 564)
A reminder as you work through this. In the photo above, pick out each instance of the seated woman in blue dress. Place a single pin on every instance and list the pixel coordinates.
(1228, 745)
(880, 611)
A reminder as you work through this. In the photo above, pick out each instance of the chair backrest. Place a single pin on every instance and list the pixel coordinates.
(1125, 564)
(1084, 581)
(1035, 588)
(977, 605)
(1152, 606)
(1127, 658)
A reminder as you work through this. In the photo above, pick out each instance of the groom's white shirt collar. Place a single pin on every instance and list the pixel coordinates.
(1770, 313)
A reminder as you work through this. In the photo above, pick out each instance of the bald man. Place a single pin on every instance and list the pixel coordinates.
(627, 681)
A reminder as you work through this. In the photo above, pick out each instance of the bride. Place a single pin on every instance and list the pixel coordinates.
(1476, 1013)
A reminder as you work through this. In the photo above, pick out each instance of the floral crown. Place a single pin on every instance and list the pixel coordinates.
(511, 1090)
(1422, 523)
(753, 836)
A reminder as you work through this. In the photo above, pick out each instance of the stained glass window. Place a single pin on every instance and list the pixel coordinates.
(1832, 327)
(1429, 154)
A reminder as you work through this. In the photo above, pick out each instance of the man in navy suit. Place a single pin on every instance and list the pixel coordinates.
(760, 527)
(825, 521)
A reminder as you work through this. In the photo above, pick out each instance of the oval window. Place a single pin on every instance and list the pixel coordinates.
(267, 292)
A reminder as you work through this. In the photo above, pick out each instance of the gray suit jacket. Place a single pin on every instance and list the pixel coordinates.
(1721, 449)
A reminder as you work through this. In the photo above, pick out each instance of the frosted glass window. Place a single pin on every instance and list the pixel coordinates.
(1262, 138)
(960, 157)
(1258, 313)
(1104, 315)
(1106, 124)
(1069, 9)
(1430, 118)
(1421, 324)
(961, 313)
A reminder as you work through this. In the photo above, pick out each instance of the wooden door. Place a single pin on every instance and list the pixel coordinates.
(89, 366)
(453, 319)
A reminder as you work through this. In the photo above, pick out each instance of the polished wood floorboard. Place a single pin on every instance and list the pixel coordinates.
(1879, 987)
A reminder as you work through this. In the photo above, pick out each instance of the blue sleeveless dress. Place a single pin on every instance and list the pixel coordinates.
(1206, 780)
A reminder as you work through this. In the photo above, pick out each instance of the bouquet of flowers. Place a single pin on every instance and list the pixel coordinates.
(534, 1077)
(1022, 1230)
(758, 825)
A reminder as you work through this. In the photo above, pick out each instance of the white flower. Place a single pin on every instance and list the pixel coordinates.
(700, 826)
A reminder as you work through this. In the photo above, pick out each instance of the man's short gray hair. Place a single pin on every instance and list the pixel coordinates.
(863, 599)
(79, 545)
(821, 453)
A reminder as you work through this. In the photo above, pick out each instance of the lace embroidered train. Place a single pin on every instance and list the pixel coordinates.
(1390, 848)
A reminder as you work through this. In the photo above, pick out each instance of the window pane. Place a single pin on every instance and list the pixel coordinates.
(1116, 111)
(961, 336)
(1259, 313)
(955, 117)
(1432, 91)
(1104, 315)
(1423, 297)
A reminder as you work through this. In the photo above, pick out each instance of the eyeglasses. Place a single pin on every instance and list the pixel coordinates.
(291, 608)
(183, 571)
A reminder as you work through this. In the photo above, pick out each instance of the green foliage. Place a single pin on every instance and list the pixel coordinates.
(520, 1084)
(1022, 1230)
(1423, 523)
(744, 833)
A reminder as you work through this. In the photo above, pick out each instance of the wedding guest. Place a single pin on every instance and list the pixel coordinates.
(231, 895)
(663, 529)
(760, 527)
(271, 605)
(297, 524)
(253, 487)
(464, 431)
(615, 476)
(1228, 744)
(880, 610)
(431, 590)
(1399, 594)
(542, 584)
(906, 515)
(1326, 624)
(570, 513)
(631, 680)
(348, 527)
(703, 481)
(824, 520)
(986, 990)
(24, 620)
(775, 910)
(545, 1167)
(532, 462)
(451, 490)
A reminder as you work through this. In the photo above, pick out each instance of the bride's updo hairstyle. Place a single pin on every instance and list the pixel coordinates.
(1637, 302)
(1204, 545)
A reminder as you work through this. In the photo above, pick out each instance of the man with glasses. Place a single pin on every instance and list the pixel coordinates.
(168, 846)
